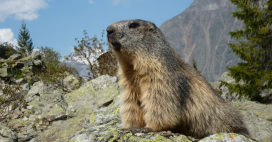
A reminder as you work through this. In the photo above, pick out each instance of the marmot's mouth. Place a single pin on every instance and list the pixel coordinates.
(116, 46)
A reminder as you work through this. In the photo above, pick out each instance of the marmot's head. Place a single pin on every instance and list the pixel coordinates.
(132, 35)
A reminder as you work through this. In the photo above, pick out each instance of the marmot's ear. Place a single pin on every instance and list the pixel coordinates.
(151, 27)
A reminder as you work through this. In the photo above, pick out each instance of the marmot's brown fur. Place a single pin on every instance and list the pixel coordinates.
(160, 91)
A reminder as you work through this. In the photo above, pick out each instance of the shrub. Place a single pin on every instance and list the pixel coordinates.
(89, 49)
(195, 65)
(107, 63)
(254, 74)
(17, 73)
(6, 50)
(55, 71)
(49, 55)
(11, 98)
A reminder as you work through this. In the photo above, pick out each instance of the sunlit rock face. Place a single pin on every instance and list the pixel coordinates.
(202, 32)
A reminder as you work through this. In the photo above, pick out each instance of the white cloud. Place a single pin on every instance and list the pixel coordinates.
(116, 2)
(91, 1)
(6, 35)
(21, 9)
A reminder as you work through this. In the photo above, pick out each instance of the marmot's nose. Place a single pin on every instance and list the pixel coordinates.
(110, 30)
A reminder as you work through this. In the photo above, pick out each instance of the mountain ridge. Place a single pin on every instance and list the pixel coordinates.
(201, 32)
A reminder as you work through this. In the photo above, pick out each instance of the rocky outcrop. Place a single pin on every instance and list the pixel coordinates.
(202, 32)
(51, 114)
(104, 124)
(16, 65)
(91, 113)
(7, 135)
(225, 94)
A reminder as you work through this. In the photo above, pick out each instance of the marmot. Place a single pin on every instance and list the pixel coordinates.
(162, 92)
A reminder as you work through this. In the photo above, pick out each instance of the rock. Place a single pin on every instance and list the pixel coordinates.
(226, 137)
(61, 131)
(17, 123)
(37, 88)
(40, 87)
(93, 94)
(25, 119)
(91, 113)
(5, 72)
(36, 55)
(54, 112)
(258, 118)
(71, 82)
(26, 86)
(38, 63)
(44, 105)
(5, 65)
(27, 65)
(225, 94)
(28, 132)
(34, 69)
(260, 129)
(15, 57)
(49, 107)
(267, 94)
(21, 80)
(34, 140)
(105, 124)
(16, 114)
(215, 85)
(262, 111)
(68, 112)
(18, 65)
(6, 134)
(226, 77)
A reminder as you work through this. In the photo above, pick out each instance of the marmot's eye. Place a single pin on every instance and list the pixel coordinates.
(133, 25)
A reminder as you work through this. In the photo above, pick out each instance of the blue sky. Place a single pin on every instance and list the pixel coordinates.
(56, 23)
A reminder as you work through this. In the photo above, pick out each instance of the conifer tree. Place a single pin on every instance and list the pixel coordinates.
(254, 74)
(24, 41)
(195, 65)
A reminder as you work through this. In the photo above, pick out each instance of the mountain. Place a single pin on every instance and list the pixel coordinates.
(81, 64)
(201, 32)
(81, 68)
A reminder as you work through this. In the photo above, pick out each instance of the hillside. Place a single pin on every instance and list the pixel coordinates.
(201, 32)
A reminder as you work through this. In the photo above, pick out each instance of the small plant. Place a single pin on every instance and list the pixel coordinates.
(11, 98)
(10, 62)
(6, 50)
(55, 72)
(89, 49)
(195, 65)
(49, 54)
(18, 74)
(218, 91)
